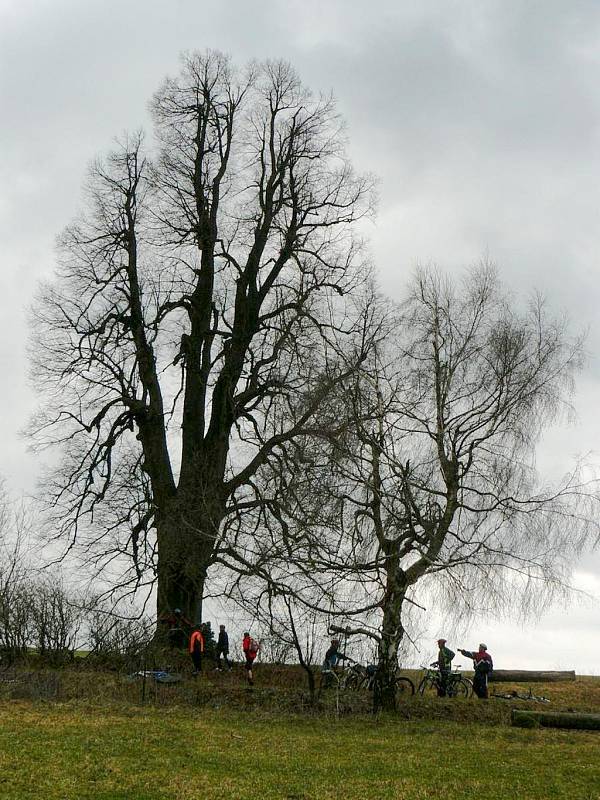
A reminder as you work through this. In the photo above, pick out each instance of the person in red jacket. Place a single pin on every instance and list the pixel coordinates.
(484, 665)
(197, 648)
(250, 647)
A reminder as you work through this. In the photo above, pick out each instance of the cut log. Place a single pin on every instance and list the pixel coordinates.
(531, 676)
(555, 719)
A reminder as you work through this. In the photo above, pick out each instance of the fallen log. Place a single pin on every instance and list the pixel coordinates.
(555, 719)
(531, 676)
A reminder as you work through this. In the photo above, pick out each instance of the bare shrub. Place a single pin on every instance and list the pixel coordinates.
(117, 639)
(15, 588)
(55, 620)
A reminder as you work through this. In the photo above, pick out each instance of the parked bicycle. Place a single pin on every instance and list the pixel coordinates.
(350, 676)
(402, 684)
(454, 685)
(354, 676)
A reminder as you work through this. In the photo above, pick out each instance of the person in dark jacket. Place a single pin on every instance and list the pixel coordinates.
(332, 657)
(444, 664)
(222, 648)
(484, 665)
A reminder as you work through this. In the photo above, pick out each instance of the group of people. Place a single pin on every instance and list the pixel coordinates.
(482, 662)
(178, 626)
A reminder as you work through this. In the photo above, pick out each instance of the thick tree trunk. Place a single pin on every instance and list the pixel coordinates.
(177, 589)
(185, 545)
(392, 631)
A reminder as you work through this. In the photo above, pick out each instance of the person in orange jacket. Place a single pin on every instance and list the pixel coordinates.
(197, 648)
(250, 647)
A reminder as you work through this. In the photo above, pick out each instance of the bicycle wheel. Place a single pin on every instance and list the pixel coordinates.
(328, 680)
(404, 687)
(366, 682)
(460, 688)
(427, 685)
(352, 681)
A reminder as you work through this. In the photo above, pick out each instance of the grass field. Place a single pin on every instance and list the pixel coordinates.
(431, 749)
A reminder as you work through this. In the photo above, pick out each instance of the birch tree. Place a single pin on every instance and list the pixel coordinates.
(434, 484)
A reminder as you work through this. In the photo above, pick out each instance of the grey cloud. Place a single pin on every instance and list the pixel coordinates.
(481, 119)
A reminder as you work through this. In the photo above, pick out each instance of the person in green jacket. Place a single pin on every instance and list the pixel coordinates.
(444, 664)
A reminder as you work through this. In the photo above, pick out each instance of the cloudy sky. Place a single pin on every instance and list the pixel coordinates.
(482, 121)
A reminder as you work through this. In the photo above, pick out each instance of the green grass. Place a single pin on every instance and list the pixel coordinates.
(76, 751)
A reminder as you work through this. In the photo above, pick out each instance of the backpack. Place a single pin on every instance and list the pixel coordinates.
(253, 646)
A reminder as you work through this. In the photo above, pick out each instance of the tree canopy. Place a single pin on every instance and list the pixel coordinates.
(198, 316)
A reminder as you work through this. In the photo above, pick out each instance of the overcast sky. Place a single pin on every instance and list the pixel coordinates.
(482, 121)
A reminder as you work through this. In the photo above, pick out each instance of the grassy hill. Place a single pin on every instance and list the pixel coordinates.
(213, 738)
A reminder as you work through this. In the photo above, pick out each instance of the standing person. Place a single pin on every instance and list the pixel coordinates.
(222, 648)
(483, 667)
(197, 648)
(444, 664)
(178, 628)
(250, 647)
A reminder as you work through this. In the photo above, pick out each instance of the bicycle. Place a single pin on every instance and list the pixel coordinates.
(350, 676)
(403, 686)
(454, 686)
(355, 677)
(514, 695)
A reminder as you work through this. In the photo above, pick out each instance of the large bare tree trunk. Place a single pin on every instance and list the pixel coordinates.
(177, 588)
(185, 543)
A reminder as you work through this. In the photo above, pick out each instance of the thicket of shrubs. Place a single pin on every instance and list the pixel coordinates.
(41, 617)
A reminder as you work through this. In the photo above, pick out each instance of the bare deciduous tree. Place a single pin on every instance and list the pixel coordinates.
(435, 482)
(194, 325)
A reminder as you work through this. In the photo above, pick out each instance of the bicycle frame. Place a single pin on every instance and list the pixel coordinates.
(454, 680)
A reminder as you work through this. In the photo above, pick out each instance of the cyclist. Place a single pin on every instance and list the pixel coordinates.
(444, 664)
(484, 665)
(332, 656)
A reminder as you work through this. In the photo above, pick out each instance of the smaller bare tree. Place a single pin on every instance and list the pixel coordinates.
(434, 483)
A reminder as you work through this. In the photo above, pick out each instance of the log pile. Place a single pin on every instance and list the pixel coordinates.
(555, 719)
(531, 676)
